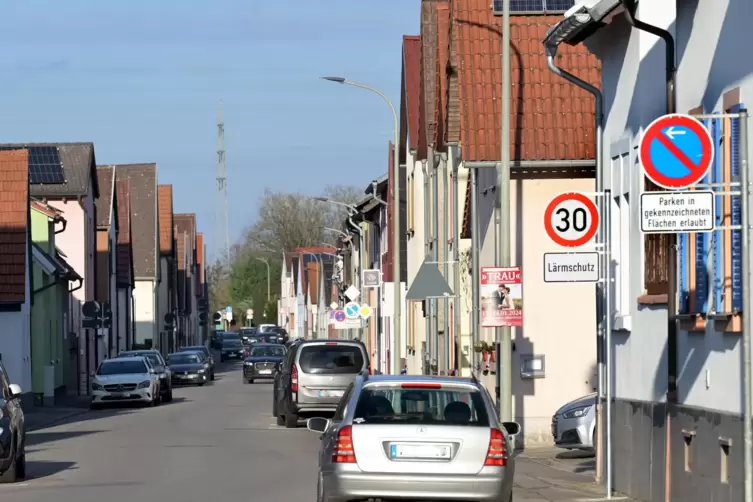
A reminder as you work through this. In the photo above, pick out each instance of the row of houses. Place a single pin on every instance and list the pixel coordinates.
(676, 386)
(93, 261)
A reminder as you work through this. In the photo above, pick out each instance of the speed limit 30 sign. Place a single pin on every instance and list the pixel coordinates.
(571, 219)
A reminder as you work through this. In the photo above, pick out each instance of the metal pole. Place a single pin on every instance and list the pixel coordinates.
(747, 310)
(608, 340)
(503, 237)
(446, 244)
(435, 256)
(456, 254)
(475, 272)
(427, 249)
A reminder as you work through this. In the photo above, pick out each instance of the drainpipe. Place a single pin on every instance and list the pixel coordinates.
(47, 286)
(446, 264)
(427, 249)
(456, 256)
(64, 222)
(475, 272)
(670, 76)
(602, 317)
(80, 284)
(435, 255)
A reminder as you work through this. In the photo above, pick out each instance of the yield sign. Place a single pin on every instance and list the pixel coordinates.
(428, 283)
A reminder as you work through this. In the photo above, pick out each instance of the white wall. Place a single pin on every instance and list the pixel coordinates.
(163, 298)
(709, 36)
(144, 314)
(123, 299)
(15, 341)
(416, 254)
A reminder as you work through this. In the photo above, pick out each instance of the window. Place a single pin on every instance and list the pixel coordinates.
(624, 171)
(342, 406)
(331, 359)
(421, 406)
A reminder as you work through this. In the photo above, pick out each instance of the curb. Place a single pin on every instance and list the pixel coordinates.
(57, 420)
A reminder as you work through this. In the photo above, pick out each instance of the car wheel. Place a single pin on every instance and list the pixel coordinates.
(250, 380)
(274, 408)
(94, 406)
(21, 467)
(169, 396)
(291, 420)
(11, 474)
(280, 419)
(201, 384)
(212, 377)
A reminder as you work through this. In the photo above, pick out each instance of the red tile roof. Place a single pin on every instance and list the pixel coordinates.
(46, 209)
(551, 119)
(14, 213)
(429, 70)
(124, 256)
(165, 211)
(412, 87)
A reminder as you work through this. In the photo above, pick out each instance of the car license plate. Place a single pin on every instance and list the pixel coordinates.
(265, 372)
(420, 451)
(118, 394)
(331, 393)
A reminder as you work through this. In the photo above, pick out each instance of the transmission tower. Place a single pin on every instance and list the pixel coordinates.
(221, 225)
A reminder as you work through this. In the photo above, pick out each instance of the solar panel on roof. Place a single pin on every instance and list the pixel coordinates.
(520, 6)
(45, 166)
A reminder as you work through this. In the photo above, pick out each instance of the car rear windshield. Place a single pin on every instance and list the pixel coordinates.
(153, 358)
(185, 358)
(203, 350)
(421, 405)
(331, 359)
(115, 367)
(268, 351)
(231, 342)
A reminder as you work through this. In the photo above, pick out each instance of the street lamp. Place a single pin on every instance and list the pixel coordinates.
(269, 276)
(396, 211)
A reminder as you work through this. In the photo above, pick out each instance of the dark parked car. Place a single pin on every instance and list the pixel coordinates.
(160, 368)
(262, 362)
(246, 333)
(207, 354)
(189, 368)
(313, 377)
(232, 348)
(12, 431)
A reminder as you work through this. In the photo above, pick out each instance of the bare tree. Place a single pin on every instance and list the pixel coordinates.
(287, 221)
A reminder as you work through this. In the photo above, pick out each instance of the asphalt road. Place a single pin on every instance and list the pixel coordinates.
(215, 443)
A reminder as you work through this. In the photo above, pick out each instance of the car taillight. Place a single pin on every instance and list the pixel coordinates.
(343, 452)
(294, 379)
(368, 368)
(496, 454)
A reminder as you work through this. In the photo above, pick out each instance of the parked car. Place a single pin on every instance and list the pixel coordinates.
(125, 379)
(247, 332)
(232, 348)
(313, 377)
(189, 368)
(282, 334)
(393, 436)
(207, 355)
(160, 367)
(261, 362)
(264, 328)
(574, 424)
(12, 431)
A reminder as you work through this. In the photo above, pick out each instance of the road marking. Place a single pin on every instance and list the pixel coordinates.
(600, 499)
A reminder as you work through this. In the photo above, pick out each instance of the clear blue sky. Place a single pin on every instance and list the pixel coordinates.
(142, 79)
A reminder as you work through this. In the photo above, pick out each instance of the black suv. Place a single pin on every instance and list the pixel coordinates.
(12, 431)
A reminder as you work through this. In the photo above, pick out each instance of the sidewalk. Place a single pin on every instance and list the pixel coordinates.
(542, 477)
(42, 417)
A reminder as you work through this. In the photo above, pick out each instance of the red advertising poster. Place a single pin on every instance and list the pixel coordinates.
(501, 297)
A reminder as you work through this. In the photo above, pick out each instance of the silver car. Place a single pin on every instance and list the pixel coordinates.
(415, 437)
(574, 424)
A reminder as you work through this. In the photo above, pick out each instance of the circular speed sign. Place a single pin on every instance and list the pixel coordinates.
(571, 219)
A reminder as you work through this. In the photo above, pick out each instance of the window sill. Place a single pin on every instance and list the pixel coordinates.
(622, 323)
(653, 299)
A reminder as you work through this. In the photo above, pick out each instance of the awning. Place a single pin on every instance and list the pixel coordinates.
(70, 272)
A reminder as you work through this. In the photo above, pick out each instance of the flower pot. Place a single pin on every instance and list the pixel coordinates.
(494, 357)
(486, 357)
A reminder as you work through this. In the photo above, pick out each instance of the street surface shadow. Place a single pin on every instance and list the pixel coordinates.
(38, 438)
(45, 468)
(176, 400)
(579, 461)
(39, 420)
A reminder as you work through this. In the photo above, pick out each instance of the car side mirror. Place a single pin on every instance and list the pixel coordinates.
(152, 371)
(15, 391)
(317, 424)
(512, 428)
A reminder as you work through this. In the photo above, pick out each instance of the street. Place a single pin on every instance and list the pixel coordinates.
(218, 441)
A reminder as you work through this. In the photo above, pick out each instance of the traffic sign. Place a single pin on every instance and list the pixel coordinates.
(352, 293)
(676, 151)
(571, 267)
(571, 219)
(339, 316)
(364, 311)
(677, 212)
(228, 309)
(372, 278)
(352, 310)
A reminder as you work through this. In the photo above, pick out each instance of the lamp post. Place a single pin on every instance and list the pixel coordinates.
(396, 359)
(269, 277)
